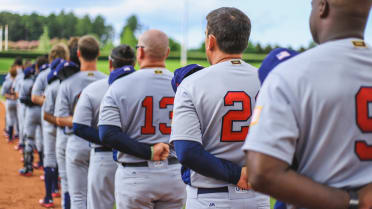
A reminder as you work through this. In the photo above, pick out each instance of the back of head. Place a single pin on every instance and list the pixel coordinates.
(18, 61)
(231, 27)
(73, 47)
(41, 61)
(27, 63)
(155, 44)
(122, 55)
(59, 51)
(88, 47)
(13, 71)
(337, 19)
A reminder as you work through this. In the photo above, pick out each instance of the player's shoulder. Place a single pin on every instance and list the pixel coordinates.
(97, 86)
(216, 70)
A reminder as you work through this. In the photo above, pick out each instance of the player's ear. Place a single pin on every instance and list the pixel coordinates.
(168, 51)
(323, 8)
(110, 64)
(211, 42)
(78, 53)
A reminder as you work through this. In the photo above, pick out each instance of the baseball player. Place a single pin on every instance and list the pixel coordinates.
(20, 107)
(212, 110)
(32, 131)
(7, 91)
(273, 59)
(135, 120)
(102, 168)
(54, 79)
(77, 150)
(313, 112)
(58, 52)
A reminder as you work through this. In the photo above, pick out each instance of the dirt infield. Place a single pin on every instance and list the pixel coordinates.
(17, 192)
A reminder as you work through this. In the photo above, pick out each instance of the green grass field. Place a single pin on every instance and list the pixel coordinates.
(103, 66)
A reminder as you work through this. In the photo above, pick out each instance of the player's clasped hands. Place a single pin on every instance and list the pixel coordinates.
(161, 151)
(243, 181)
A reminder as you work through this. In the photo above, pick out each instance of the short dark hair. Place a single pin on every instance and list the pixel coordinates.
(41, 61)
(88, 47)
(123, 55)
(18, 61)
(73, 47)
(231, 27)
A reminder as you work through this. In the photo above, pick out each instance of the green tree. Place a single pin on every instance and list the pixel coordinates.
(128, 37)
(84, 26)
(44, 41)
(174, 46)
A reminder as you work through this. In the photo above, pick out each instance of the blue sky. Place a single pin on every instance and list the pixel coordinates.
(273, 21)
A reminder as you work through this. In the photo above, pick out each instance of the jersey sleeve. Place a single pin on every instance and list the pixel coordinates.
(109, 113)
(49, 103)
(274, 130)
(185, 122)
(38, 88)
(84, 110)
(62, 108)
(5, 88)
(23, 89)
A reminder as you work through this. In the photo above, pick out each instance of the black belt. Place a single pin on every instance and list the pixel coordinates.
(102, 149)
(171, 161)
(212, 190)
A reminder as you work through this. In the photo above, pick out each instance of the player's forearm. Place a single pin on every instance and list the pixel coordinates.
(193, 156)
(50, 118)
(86, 132)
(277, 180)
(64, 121)
(36, 99)
(112, 136)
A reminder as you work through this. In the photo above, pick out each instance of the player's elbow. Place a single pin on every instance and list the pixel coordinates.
(105, 133)
(184, 151)
(77, 129)
(34, 99)
(259, 176)
(59, 121)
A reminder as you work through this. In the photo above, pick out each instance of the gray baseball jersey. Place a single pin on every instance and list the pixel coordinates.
(144, 112)
(316, 109)
(11, 105)
(71, 89)
(41, 83)
(77, 149)
(50, 97)
(87, 108)
(213, 107)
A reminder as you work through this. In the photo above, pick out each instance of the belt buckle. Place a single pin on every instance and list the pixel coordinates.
(158, 164)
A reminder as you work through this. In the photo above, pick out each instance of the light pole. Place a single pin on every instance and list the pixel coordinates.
(6, 37)
(185, 34)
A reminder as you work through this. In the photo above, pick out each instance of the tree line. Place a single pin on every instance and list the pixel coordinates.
(63, 25)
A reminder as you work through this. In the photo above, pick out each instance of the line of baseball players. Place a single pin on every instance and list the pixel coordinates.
(177, 138)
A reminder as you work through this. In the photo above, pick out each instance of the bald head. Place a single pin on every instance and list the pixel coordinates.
(155, 44)
(336, 19)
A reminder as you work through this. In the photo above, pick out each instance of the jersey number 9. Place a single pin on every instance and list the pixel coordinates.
(363, 101)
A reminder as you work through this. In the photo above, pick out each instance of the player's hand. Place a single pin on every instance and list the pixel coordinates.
(243, 181)
(365, 197)
(161, 151)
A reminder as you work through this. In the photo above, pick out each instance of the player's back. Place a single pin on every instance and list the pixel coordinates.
(72, 87)
(331, 87)
(145, 100)
(95, 92)
(224, 97)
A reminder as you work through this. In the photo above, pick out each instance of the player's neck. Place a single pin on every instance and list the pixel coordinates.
(225, 57)
(88, 66)
(152, 64)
